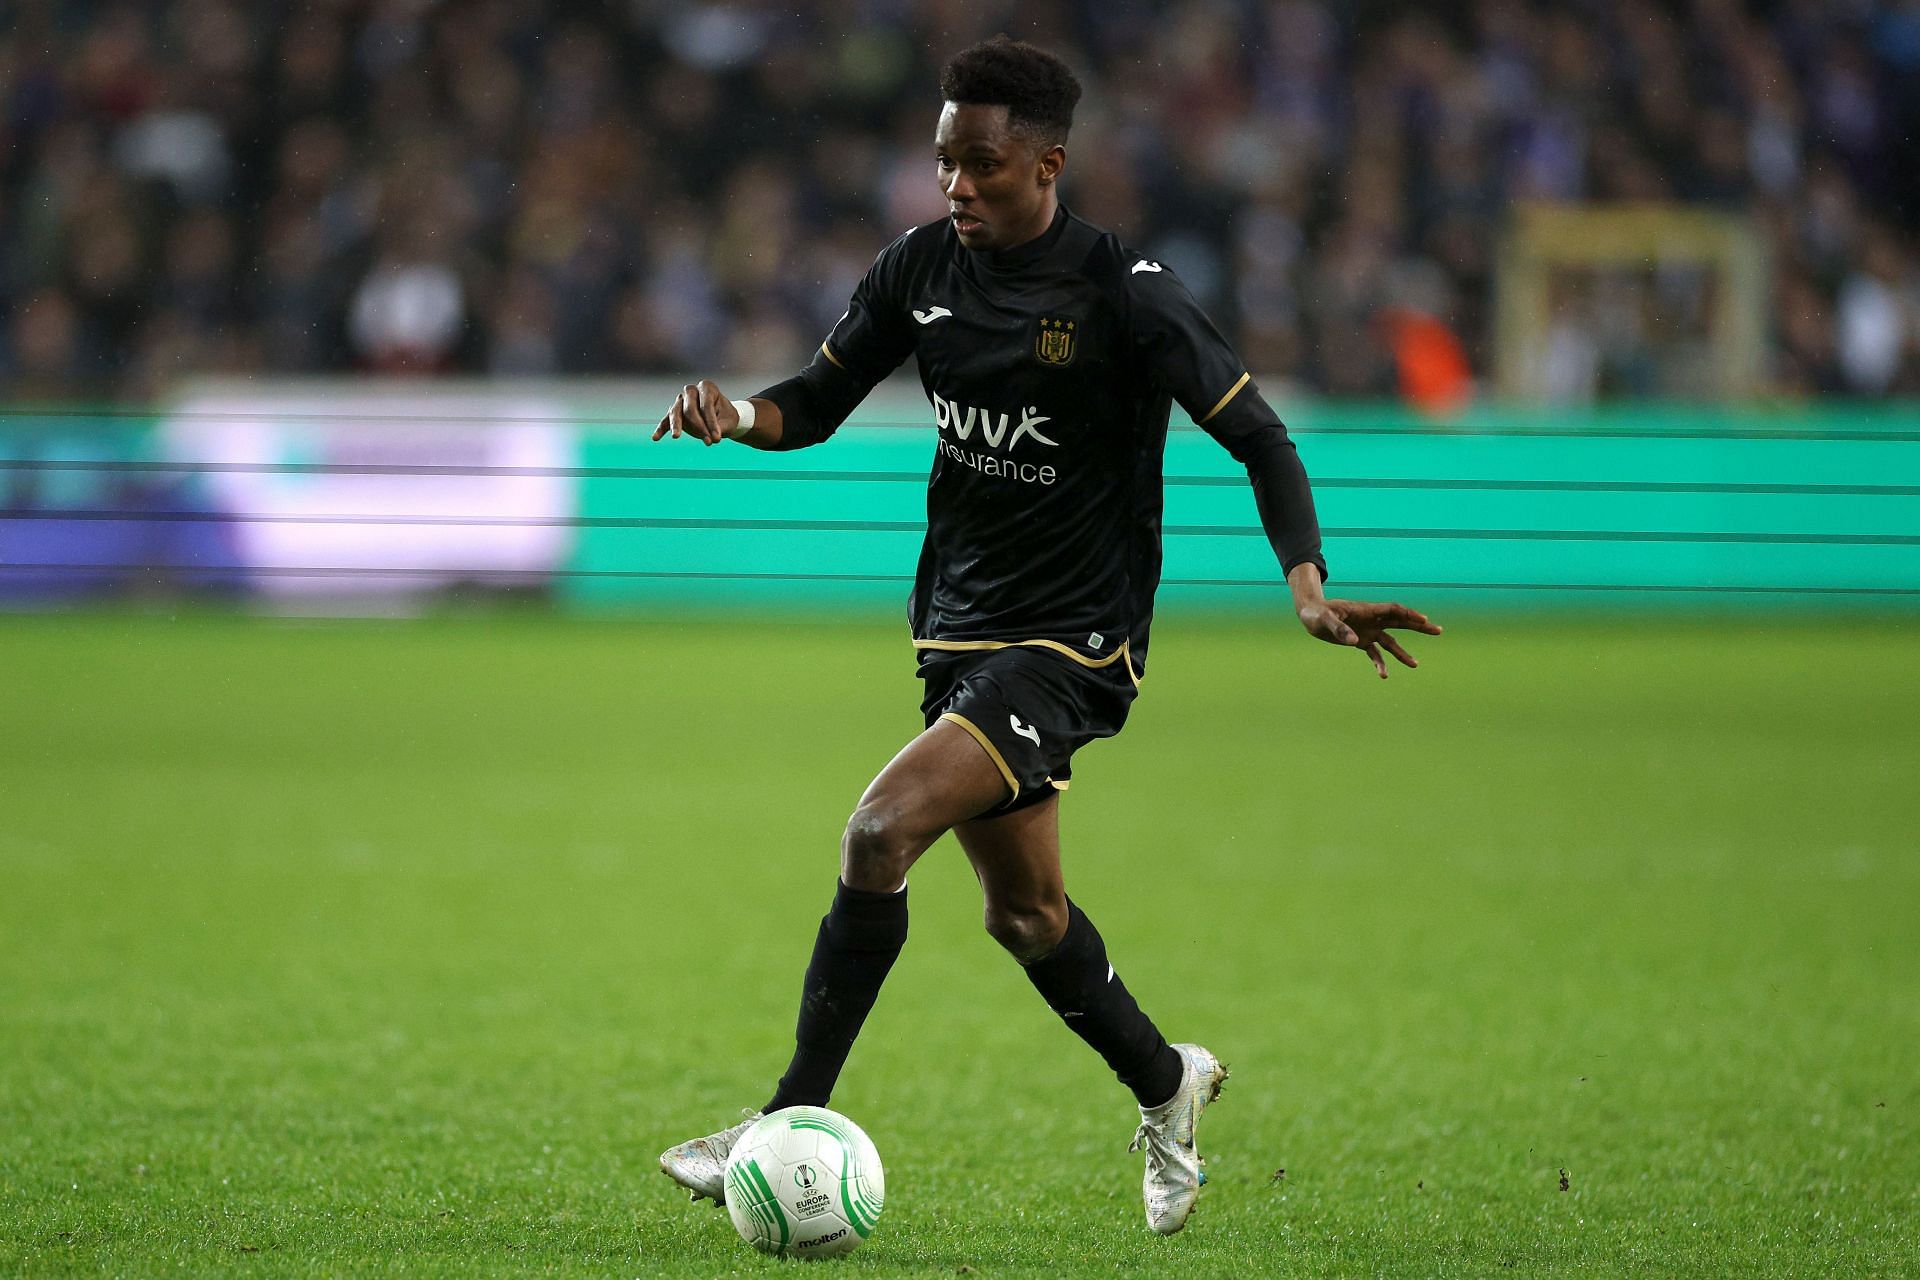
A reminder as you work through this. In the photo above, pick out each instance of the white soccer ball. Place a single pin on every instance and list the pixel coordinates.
(805, 1182)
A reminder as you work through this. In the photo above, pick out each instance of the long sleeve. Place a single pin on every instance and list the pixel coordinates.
(1187, 356)
(1249, 429)
(869, 342)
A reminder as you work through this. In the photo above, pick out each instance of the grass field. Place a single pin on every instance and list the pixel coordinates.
(403, 948)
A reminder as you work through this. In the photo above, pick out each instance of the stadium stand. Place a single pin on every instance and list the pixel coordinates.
(205, 186)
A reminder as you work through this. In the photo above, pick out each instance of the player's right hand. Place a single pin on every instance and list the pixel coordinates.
(702, 411)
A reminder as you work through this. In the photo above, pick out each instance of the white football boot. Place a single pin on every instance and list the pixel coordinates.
(1174, 1176)
(701, 1165)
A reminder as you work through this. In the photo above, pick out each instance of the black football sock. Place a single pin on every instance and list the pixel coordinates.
(859, 940)
(1080, 985)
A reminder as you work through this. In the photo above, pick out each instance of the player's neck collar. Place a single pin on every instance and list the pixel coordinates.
(1033, 250)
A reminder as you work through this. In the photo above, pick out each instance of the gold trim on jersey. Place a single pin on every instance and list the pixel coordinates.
(827, 351)
(965, 646)
(999, 761)
(1095, 664)
(1232, 391)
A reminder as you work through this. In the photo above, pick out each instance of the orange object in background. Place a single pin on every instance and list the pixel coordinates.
(1434, 375)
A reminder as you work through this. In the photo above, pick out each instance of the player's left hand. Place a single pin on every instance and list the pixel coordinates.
(1363, 625)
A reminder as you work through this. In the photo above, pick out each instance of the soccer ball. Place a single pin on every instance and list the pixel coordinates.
(805, 1182)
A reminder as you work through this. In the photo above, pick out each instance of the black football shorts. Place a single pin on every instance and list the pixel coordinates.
(1030, 707)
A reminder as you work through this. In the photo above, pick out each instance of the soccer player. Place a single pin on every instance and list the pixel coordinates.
(1050, 353)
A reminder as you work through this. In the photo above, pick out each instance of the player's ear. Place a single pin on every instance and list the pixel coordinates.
(1052, 161)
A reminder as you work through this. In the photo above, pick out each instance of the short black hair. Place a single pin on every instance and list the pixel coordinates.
(1037, 89)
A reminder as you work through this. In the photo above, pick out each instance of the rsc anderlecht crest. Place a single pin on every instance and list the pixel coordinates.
(1055, 344)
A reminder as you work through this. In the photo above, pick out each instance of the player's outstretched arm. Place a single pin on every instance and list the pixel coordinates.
(1358, 624)
(704, 412)
(1192, 360)
(870, 340)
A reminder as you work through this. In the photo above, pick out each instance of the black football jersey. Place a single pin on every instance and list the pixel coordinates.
(1050, 368)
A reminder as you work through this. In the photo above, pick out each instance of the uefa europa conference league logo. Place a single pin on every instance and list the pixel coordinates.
(810, 1201)
(999, 432)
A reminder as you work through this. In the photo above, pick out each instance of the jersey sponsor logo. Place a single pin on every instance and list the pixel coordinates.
(962, 419)
(931, 314)
(1055, 344)
(999, 432)
(988, 463)
(1026, 731)
(1144, 265)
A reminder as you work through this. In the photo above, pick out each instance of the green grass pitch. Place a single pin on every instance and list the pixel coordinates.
(1592, 947)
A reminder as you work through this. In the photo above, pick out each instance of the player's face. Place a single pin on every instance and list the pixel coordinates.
(998, 184)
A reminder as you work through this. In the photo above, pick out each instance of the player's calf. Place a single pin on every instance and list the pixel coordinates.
(1028, 931)
(1079, 983)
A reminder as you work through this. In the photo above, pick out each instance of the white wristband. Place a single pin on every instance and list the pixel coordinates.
(745, 409)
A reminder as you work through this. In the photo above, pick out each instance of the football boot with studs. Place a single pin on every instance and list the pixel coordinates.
(1174, 1165)
(701, 1165)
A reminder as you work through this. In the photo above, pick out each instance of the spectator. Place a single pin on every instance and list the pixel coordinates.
(471, 187)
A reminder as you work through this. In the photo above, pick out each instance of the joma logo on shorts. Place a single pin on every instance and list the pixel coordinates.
(995, 429)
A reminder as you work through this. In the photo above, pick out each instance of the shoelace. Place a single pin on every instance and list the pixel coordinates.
(717, 1146)
(731, 1134)
(1156, 1145)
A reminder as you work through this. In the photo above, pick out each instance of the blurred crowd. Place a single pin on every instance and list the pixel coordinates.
(641, 187)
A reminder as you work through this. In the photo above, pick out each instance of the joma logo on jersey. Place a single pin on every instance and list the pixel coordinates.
(996, 430)
(1055, 344)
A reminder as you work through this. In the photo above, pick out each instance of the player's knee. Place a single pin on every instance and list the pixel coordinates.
(1029, 930)
(877, 849)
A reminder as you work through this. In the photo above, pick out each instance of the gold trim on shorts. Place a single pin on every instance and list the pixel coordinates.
(999, 761)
